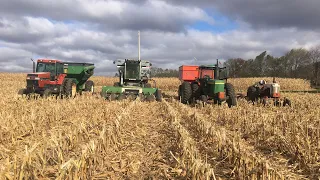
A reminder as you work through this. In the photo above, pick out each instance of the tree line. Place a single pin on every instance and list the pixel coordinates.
(296, 63)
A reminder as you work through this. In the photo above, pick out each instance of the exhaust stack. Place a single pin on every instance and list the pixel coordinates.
(138, 45)
(33, 66)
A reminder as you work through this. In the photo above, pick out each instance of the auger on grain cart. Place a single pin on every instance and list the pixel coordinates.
(206, 82)
(54, 77)
(134, 77)
(263, 92)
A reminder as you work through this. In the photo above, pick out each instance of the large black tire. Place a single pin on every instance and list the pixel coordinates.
(195, 90)
(158, 95)
(89, 86)
(252, 94)
(186, 92)
(70, 88)
(231, 95)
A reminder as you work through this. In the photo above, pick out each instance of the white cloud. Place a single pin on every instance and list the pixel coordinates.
(102, 31)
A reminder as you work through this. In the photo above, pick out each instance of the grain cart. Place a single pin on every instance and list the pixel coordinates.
(205, 82)
(59, 78)
(264, 92)
(134, 77)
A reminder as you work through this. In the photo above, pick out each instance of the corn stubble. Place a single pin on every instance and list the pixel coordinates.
(90, 138)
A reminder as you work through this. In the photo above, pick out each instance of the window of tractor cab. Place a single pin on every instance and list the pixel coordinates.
(45, 67)
(207, 72)
(132, 71)
(50, 67)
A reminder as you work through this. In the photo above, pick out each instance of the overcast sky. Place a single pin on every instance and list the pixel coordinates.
(173, 32)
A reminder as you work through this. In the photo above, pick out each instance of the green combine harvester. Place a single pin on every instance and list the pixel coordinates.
(134, 77)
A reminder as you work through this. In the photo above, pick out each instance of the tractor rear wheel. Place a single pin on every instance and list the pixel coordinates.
(89, 86)
(231, 95)
(186, 92)
(158, 95)
(70, 88)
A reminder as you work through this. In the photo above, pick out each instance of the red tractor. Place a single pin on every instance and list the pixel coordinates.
(60, 78)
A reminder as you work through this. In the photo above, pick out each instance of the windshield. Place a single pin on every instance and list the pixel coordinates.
(132, 71)
(46, 67)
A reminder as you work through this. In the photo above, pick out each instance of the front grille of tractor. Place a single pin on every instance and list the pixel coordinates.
(32, 83)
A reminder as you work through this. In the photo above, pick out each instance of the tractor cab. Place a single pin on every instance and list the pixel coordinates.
(47, 72)
(49, 68)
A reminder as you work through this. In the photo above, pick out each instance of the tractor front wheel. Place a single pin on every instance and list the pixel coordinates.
(70, 88)
(231, 95)
(186, 92)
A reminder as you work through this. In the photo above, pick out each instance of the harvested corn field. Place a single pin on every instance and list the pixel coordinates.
(90, 138)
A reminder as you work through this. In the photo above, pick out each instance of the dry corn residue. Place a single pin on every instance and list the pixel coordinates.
(90, 138)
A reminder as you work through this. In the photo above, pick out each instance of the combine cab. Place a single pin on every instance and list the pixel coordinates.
(59, 78)
(134, 76)
(205, 83)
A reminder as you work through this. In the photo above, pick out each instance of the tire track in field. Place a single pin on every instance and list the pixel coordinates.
(198, 168)
(145, 140)
(227, 147)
